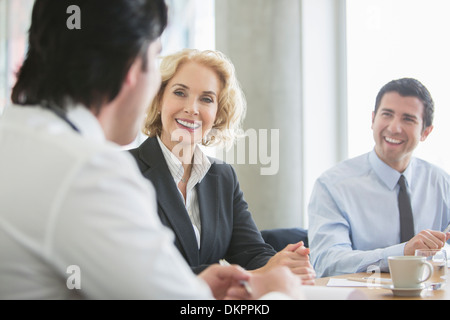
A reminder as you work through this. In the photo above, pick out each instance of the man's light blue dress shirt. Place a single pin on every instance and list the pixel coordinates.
(354, 222)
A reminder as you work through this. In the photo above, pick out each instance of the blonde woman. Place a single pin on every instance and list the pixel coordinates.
(200, 102)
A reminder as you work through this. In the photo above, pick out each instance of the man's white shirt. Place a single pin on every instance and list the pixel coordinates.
(73, 203)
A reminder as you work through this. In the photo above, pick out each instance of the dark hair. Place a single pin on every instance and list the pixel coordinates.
(408, 87)
(87, 65)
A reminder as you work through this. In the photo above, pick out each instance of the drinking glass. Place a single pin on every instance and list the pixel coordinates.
(438, 259)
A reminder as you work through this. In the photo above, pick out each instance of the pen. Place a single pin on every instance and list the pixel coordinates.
(246, 285)
(370, 280)
(447, 229)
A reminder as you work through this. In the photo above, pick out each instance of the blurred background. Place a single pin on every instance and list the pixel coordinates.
(310, 69)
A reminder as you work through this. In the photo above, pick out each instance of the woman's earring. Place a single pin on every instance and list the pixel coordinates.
(207, 141)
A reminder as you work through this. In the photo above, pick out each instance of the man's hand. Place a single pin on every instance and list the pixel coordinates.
(426, 239)
(222, 278)
(278, 280)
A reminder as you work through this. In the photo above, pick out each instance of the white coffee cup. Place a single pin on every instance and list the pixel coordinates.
(408, 271)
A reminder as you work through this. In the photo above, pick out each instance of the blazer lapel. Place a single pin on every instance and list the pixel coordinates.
(207, 193)
(169, 199)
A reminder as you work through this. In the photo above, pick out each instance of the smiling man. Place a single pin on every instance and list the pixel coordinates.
(356, 209)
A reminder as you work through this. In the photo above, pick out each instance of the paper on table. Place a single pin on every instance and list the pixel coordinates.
(348, 283)
(324, 293)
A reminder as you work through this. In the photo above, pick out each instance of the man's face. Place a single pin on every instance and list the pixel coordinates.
(139, 90)
(397, 129)
(153, 75)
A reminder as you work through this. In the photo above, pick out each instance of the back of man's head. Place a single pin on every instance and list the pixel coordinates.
(83, 49)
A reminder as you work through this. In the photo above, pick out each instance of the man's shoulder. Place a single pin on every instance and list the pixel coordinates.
(49, 140)
(436, 172)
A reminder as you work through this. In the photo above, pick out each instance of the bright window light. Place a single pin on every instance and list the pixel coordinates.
(392, 39)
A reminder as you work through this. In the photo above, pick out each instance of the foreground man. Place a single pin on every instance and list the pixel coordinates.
(77, 220)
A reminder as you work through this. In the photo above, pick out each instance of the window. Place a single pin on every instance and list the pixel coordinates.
(15, 18)
(191, 25)
(391, 39)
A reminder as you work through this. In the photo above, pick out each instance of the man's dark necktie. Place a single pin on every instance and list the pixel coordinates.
(406, 216)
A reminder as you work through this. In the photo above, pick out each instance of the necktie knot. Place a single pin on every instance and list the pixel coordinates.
(402, 182)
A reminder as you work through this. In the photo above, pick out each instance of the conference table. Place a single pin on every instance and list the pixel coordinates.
(374, 288)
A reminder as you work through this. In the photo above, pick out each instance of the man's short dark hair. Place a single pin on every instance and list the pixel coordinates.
(408, 87)
(86, 65)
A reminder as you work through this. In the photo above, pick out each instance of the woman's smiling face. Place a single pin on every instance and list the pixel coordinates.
(189, 105)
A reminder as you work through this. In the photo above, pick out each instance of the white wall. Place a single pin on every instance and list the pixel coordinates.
(323, 90)
(291, 63)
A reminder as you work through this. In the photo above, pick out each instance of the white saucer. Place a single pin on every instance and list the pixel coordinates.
(405, 292)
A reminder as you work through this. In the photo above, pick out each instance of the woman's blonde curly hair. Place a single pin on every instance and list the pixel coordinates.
(232, 105)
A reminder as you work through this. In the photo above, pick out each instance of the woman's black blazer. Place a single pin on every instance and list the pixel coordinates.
(228, 230)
